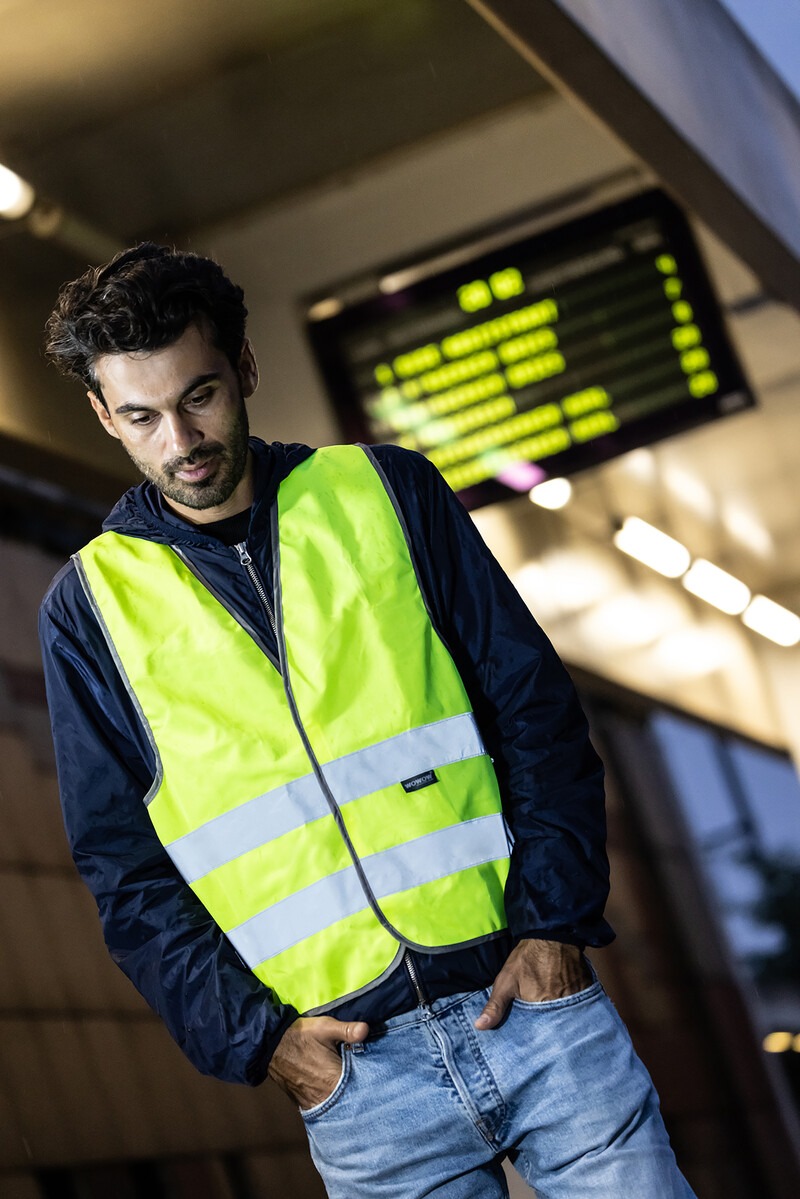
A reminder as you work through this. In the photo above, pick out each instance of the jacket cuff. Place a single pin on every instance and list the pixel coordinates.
(596, 935)
(257, 1070)
(563, 937)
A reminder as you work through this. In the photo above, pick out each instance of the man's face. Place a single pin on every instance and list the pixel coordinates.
(180, 414)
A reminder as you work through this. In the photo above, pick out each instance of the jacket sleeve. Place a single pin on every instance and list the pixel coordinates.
(528, 711)
(155, 928)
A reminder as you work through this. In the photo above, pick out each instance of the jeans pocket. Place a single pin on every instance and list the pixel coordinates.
(534, 1005)
(319, 1109)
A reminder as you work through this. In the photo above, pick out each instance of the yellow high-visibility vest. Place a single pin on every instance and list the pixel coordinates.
(338, 806)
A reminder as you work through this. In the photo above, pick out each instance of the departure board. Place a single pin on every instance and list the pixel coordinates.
(538, 358)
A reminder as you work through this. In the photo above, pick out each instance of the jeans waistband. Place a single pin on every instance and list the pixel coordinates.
(419, 1015)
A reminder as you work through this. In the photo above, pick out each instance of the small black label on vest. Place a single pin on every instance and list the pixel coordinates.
(419, 781)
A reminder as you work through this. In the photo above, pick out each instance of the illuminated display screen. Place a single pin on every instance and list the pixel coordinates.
(542, 358)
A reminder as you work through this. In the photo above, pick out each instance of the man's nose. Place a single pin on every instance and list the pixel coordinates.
(182, 436)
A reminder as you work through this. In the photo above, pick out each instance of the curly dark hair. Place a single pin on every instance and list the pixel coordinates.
(143, 299)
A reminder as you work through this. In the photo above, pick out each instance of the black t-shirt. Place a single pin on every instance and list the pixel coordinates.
(232, 530)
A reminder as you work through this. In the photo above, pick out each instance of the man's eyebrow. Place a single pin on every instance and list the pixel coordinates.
(198, 381)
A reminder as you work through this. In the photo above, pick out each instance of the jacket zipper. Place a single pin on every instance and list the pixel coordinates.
(247, 563)
(411, 970)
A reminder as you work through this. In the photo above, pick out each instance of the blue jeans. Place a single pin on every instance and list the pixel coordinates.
(429, 1105)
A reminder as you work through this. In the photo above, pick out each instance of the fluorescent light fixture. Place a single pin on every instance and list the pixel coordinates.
(716, 587)
(552, 493)
(389, 284)
(16, 196)
(323, 310)
(772, 621)
(652, 547)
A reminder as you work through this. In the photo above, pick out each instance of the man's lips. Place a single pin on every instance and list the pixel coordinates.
(194, 473)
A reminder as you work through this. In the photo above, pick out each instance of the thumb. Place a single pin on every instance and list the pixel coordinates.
(495, 1007)
(334, 1031)
(354, 1032)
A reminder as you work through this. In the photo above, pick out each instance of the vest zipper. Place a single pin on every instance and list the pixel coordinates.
(411, 970)
(247, 563)
(315, 766)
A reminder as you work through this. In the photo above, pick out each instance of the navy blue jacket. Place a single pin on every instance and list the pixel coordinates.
(157, 930)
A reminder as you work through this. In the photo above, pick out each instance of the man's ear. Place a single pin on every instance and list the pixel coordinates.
(248, 369)
(102, 414)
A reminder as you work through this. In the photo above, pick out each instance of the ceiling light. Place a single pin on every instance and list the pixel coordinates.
(649, 545)
(640, 464)
(690, 490)
(716, 587)
(744, 526)
(581, 577)
(624, 622)
(16, 196)
(769, 619)
(390, 284)
(323, 310)
(553, 493)
(690, 653)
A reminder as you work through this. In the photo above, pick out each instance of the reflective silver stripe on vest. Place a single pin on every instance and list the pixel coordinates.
(241, 829)
(399, 869)
(267, 817)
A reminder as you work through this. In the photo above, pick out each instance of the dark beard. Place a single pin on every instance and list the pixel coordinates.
(217, 488)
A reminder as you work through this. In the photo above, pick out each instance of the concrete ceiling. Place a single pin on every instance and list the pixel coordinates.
(155, 118)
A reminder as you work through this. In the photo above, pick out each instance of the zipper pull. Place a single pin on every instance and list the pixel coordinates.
(244, 557)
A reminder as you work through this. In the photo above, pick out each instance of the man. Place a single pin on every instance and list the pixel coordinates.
(298, 710)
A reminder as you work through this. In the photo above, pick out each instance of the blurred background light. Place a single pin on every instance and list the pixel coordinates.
(716, 587)
(581, 577)
(626, 621)
(773, 621)
(777, 1042)
(652, 547)
(16, 196)
(552, 493)
(745, 527)
(640, 464)
(689, 490)
(323, 310)
(690, 653)
(535, 584)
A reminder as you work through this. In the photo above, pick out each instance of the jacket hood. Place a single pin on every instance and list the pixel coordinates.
(143, 512)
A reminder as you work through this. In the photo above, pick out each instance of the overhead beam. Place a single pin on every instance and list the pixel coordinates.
(562, 50)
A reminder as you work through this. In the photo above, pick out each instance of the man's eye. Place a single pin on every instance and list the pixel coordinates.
(143, 418)
(198, 400)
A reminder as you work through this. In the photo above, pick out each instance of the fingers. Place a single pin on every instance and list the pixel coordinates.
(495, 1008)
(306, 1063)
